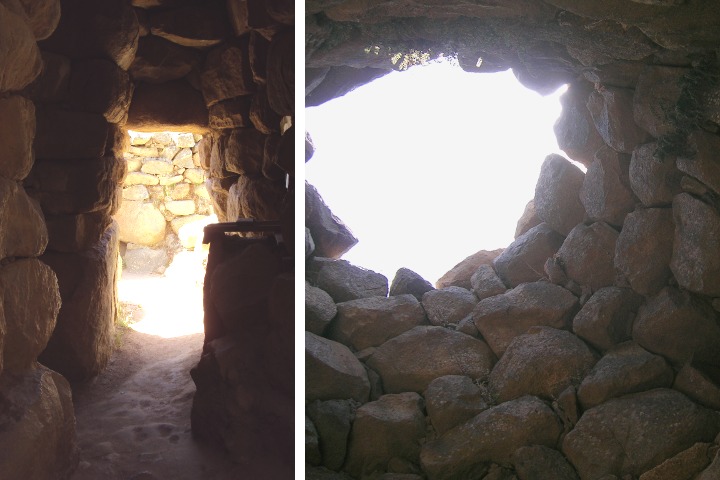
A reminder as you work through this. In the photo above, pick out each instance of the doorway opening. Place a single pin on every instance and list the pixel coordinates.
(430, 165)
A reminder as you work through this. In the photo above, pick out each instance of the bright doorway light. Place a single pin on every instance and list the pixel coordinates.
(430, 165)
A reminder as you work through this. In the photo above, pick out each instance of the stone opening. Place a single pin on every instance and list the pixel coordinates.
(75, 75)
(588, 347)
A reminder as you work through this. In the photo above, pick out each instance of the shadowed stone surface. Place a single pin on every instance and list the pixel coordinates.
(344, 281)
(653, 180)
(460, 274)
(452, 400)
(19, 51)
(485, 283)
(333, 420)
(588, 253)
(332, 238)
(656, 93)
(606, 193)
(448, 305)
(407, 281)
(538, 462)
(320, 309)
(611, 110)
(332, 371)
(522, 261)
(17, 115)
(29, 236)
(557, 194)
(696, 385)
(607, 317)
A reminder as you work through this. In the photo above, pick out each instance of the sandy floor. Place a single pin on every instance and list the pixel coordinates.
(133, 420)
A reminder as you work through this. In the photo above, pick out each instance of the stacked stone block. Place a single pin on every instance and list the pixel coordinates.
(36, 409)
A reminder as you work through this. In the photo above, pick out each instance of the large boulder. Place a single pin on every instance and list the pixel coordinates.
(522, 261)
(491, 436)
(332, 238)
(320, 309)
(452, 400)
(28, 236)
(140, 223)
(588, 254)
(155, 108)
(448, 305)
(460, 274)
(606, 193)
(557, 194)
(575, 131)
(410, 361)
(634, 433)
(344, 281)
(407, 281)
(653, 179)
(332, 420)
(503, 317)
(332, 371)
(612, 111)
(370, 322)
(17, 115)
(607, 317)
(486, 283)
(19, 54)
(702, 165)
(657, 92)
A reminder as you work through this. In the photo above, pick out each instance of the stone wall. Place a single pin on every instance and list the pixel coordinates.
(165, 203)
(588, 348)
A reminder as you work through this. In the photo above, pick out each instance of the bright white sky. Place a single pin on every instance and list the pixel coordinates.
(430, 165)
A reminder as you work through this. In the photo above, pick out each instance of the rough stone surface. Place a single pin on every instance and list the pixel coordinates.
(30, 302)
(607, 317)
(697, 236)
(191, 26)
(56, 133)
(83, 339)
(281, 72)
(320, 309)
(312, 443)
(37, 416)
(627, 368)
(17, 115)
(503, 317)
(653, 180)
(588, 254)
(542, 362)
(332, 238)
(460, 274)
(606, 193)
(73, 233)
(528, 219)
(333, 420)
(574, 129)
(538, 462)
(448, 305)
(344, 281)
(683, 466)
(486, 283)
(332, 371)
(522, 261)
(612, 111)
(100, 86)
(159, 60)
(28, 236)
(678, 326)
(407, 281)
(635, 433)
(702, 165)
(385, 430)
(656, 93)
(491, 436)
(696, 385)
(644, 248)
(557, 194)
(155, 108)
(370, 322)
(227, 72)
(19, 52)
(140, 223)
(410, 361)
(452, 400)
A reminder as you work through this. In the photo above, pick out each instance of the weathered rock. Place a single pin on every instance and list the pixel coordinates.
(30, 301)
(702, 165)
(53, 82)
(712, 471)
(503, 317)
(678, 326)
(89, 29)
(155, 108)
(332, 371)
(452, 400)
(231, 113)
(407, 281)
(57, 132)
(83, 339)
(73, 233)
(522, 261)
(486, 283)
(696, 385)
(332, 238)
(461, 273)
(370, 322)
(491, 436)
(156, 166)
(410, 361)
(612, 112)
(574, 129)
(344, 281)
(656, 93)
(146, 260)
(635, 433)
(312, 443)
(627, 368)
(255, 197)
(135, 192)
(562, 358)
(683, 466)
(655, 181)
(195, 176)
(19, 54)
(644, 248)
(697, 236)
(43, 16)
(606, 193)
(37, 416)
(557, 194)
(588, 255)
(262, 116)
(140, 178)
(159, 60)
(191, 26)
(100, 86)
(140, 223)
(538, 462)
(227, 72)
(606, 318)
(17, 115)
(386, 429)
(528, 220)
(322, 473)
(28, 236)
(258, 56)
(448, 305)
(333, 420)
(181, 207)
(281, 72)
(244, 151)
(184, 159)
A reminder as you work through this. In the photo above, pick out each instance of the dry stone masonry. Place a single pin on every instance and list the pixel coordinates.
(587, 349)
(75, 76)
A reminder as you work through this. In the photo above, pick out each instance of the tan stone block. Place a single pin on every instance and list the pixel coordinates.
(140, 223)
(156, 166)
(19, 53)
(135, 192)
(31, 301)
(143, 151)
(244, 151)
(201, 191)
(17, 117)
(281, 73)
(170, 180)
(133, 164)
(140, 178)
(185, 140)
(181, 207)
(180, 191)
(24, 233)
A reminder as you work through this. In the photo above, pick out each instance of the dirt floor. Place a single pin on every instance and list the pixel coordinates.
(133, 420)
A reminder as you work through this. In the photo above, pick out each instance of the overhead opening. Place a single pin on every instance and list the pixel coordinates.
(431, 165)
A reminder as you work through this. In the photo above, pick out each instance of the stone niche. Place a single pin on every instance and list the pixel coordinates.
(588, 348)
(75, 76)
